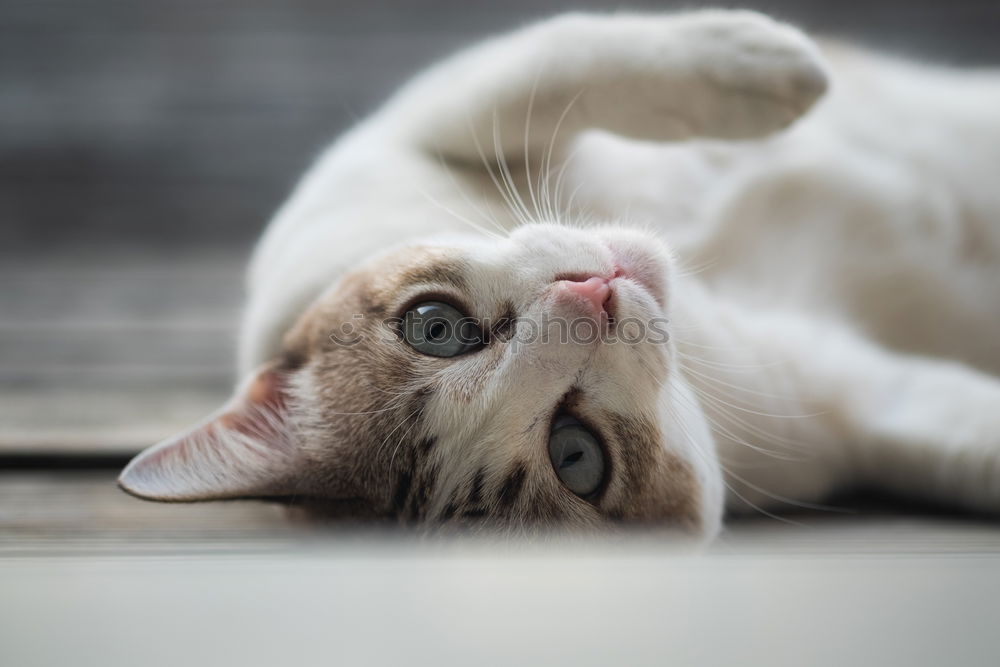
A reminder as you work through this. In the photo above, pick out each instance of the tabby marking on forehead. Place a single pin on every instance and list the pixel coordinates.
(640, 439)
(672, 492)
(503, 328)
(449, 271)
(511, 487)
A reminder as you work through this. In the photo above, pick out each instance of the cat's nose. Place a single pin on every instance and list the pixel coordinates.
(594, 292)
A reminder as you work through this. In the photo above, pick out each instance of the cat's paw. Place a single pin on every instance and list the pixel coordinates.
(772, 71)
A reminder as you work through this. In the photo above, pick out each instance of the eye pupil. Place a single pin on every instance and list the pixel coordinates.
(571, 459)
(439, 329)
(576, 455)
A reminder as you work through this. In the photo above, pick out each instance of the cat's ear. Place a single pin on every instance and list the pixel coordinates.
(246, 449)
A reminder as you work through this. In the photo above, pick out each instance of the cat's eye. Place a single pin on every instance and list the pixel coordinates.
(439, 329)
(576, 455)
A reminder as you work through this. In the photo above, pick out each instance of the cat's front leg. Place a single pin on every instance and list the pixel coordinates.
(929, 429)
(724, 74)
(803, 409)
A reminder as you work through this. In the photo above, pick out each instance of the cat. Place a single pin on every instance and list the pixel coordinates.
(785, 252)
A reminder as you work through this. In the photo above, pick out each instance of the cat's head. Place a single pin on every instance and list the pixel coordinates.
(521, 382)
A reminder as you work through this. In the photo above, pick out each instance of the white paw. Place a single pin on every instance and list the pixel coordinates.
(771, 69)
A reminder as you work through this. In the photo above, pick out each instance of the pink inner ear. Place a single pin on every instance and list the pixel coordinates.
(262, 396)
(246, 449)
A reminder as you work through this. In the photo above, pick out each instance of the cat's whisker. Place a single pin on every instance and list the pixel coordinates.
(759, 413)
(729, 387)
(790, 445)
(706, 458)
(479, 228)
(732, 349)
(730, 473)
(404, 420)
(361, 413)
(563, 170)
(739, 421)
(527, 138)
(722, 430)
(569, 206)
(501, 185)
(490, 217)
(688, 272)
(713, 399)
(803, 504)
(552, 206)
(489, 206)
(506, 175)
(402, 439)
(728, 366)
(402, 393)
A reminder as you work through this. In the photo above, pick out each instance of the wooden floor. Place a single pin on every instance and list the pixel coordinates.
(142, 148)
(47, 513)
(110, 353)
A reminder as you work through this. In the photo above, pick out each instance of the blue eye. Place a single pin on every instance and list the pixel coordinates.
(440, 330)
(576, 455)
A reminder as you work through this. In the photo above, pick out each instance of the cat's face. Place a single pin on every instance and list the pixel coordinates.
(517, 382)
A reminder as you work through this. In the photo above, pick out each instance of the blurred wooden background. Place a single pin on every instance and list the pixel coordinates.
(182, 124)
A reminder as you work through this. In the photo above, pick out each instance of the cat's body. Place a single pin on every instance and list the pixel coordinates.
(834, 316)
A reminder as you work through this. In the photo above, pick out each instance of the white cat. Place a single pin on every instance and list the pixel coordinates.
(831, 292)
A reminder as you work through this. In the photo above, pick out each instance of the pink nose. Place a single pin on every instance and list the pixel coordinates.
(594, 291)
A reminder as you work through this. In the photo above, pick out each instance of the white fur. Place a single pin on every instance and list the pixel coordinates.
(820, 258)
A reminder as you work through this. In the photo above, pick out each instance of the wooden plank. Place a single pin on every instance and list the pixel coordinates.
(52, 513)
(113, 353)
(100, 419)
(77, 288)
